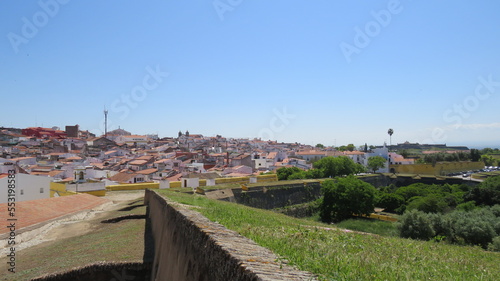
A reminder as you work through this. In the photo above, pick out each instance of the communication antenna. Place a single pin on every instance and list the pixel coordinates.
(105, 122)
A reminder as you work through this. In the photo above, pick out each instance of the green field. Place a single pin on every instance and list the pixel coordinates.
(336, 254)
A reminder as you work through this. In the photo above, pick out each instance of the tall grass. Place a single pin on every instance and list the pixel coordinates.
(378, 227)
(335, 254)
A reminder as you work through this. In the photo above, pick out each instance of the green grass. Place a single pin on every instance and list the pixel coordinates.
(485, 175)
(335, 254)
(378, 227)
(122, 241)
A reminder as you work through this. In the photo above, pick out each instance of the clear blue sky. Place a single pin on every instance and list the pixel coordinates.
(331, 72)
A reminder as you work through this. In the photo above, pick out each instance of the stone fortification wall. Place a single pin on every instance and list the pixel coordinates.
(188, 246)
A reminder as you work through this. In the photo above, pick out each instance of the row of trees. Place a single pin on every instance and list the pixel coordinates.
(474, 155)
(439, 198)
(328, 167)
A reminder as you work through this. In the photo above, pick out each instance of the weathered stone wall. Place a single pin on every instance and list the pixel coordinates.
(440, 168)
(188, 246)
(404, 180)
(278, 196)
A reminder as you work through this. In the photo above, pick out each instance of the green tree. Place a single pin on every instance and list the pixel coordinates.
(428, 204)
(390, 132)
(416, 225)
(475, 155)
(351, 147)
(337, 166)
(404, 153)
(345, 197)
(376, 162)
(284, 172)
(390, 202)
(487, 192)
(314, 174)
(297, 175)
(488, 160)
(319, 145)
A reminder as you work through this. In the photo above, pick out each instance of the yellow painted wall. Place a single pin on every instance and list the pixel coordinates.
(134, 186)
(95, 192)
(175, 184)
(232, 180)
(244, 180)
(60, 189)
(267, 178)
(441, 168)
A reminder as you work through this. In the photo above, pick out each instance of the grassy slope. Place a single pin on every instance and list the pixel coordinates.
(340, 255)
(122, 241)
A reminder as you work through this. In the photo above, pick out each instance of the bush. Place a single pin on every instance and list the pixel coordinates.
(467, 206)
(475, 232)
(442, 226)
(428, 204)
(346, 197)
(284, 172)
(494, 246)
(416, 225)
(487, 192)
(390, 202)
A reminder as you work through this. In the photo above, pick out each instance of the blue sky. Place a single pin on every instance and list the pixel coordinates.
(331, 72)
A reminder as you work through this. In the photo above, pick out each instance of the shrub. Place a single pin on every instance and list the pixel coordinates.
(428, 204)
(442, 226)
(475, 228)
(284, 172)
(494, 245)
(475, 232)
(467, 206)
(390, 201)
(416, 225)
(346, 197)
(487, 192)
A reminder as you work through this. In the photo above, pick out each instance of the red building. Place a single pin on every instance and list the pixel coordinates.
(43, 133)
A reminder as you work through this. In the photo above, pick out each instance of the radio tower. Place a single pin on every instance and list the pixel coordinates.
(105, 122)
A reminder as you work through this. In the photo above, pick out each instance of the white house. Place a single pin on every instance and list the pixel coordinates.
(311, 155)
(382, 152)
(27, 187)
(132, 140)
(397, 159)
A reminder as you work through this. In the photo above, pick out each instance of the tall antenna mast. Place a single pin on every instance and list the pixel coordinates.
(105, 122)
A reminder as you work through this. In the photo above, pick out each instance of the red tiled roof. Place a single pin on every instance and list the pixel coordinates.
(147, 171)
(122, 177)
(138, 162)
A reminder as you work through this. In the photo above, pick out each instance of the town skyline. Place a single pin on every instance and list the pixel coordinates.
(335, 145)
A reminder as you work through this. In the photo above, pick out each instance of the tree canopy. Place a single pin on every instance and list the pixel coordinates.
(337, 166)
(345, 197)
(376, 162)
(487, 192)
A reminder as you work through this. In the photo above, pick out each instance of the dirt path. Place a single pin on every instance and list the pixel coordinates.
(77, 224)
